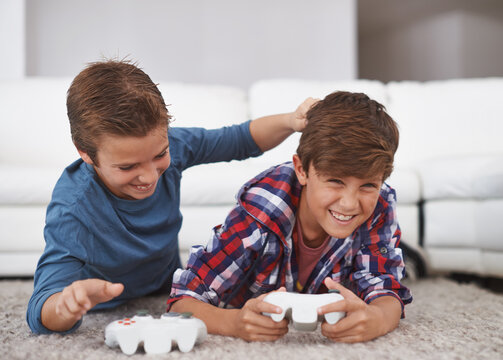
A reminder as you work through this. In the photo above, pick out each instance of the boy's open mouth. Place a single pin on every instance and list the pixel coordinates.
(143, 187)
(341, 217)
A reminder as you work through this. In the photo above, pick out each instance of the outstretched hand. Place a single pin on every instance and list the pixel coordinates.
(251, 325)
(81, 296)
(363, 321)
(299, 121)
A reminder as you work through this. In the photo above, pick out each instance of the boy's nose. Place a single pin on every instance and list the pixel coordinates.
(348, 201)
(149, 174)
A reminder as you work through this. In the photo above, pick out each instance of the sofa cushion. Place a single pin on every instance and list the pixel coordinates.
(23, 185)
(466, 224)
(463, 177)
(208, 106)
(443, 118)
(284, 95)
(35, 129)
(407, 185)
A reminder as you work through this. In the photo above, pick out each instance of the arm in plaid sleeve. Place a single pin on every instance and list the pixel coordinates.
(379, 266)
(214, 270)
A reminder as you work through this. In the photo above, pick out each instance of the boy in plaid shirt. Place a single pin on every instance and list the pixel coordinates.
(324, 221)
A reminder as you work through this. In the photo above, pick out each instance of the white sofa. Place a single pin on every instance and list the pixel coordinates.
(448, 173)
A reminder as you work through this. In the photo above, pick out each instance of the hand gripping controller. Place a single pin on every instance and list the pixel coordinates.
(302, 308)
(155, 334)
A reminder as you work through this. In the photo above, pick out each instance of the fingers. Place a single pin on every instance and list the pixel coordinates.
(346, 337)
(73, 302)
(350, 303)
(258, 333)
(300, 114)
(78, 298)
(333, 285)
(309, 102)
(349, 330)
(254, 326)
(112, 290)
(101, 291)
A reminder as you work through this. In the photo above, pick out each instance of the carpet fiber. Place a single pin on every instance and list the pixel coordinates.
(446, 320)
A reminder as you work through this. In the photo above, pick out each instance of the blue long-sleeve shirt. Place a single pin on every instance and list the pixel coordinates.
(91, 233)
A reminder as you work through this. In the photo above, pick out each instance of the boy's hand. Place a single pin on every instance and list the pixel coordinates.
(363, 321)
(81, 296)
(251, 325)
(62, 310)
(299, 119)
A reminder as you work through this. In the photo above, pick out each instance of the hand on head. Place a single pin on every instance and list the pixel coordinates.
(299, 118)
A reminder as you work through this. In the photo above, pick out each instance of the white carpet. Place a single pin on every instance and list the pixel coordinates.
(446, 320)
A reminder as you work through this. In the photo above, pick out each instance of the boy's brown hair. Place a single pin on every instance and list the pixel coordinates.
(113, 98)
(348, 134)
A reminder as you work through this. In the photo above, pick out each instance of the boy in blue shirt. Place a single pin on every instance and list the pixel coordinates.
(113, 220)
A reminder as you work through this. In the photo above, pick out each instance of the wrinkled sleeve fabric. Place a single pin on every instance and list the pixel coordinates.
(215, 269)
(379, 265)
(59, 266)
(201, 146)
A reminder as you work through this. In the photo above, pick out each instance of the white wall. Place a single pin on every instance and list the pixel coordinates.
(219, 41)
(12, 39)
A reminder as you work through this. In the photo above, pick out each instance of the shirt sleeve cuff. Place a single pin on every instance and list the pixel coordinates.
(252, 145)
(36, 324)
(379, 293)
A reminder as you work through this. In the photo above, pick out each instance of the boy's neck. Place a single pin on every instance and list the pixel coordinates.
(313, 234)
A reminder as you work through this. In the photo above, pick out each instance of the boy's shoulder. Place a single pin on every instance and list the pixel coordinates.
(279, 177)
(272, 198)
(76, 184)
(385, 209)
(387, 195)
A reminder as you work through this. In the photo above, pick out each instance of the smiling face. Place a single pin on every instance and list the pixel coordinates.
(130, 166)
(334, 206)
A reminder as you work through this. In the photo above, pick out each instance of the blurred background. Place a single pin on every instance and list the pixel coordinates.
(238, 42)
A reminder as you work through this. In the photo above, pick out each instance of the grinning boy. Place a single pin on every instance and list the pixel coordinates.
(114, 217)
(324, 221)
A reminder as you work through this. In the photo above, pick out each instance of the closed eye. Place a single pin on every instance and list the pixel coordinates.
(161, 155)
(336, 181)
(126, 168)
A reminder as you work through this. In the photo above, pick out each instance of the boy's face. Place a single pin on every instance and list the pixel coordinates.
(334, 206)
(131, 166)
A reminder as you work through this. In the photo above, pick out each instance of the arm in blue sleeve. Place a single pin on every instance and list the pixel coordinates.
(193, 146)
(57, 268)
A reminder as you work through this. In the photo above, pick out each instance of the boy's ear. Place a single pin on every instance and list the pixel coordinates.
(299, 170)
(85, 157)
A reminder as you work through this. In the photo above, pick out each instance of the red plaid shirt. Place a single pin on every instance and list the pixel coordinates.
(368, 262)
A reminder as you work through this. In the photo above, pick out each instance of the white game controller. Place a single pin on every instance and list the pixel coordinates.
(302, 308)
(156, 334)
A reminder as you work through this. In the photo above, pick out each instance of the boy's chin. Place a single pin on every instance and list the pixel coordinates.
(342, 233)
(134, 195)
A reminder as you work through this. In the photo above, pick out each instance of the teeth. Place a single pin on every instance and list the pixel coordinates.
(140, 187)
(341, 217)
